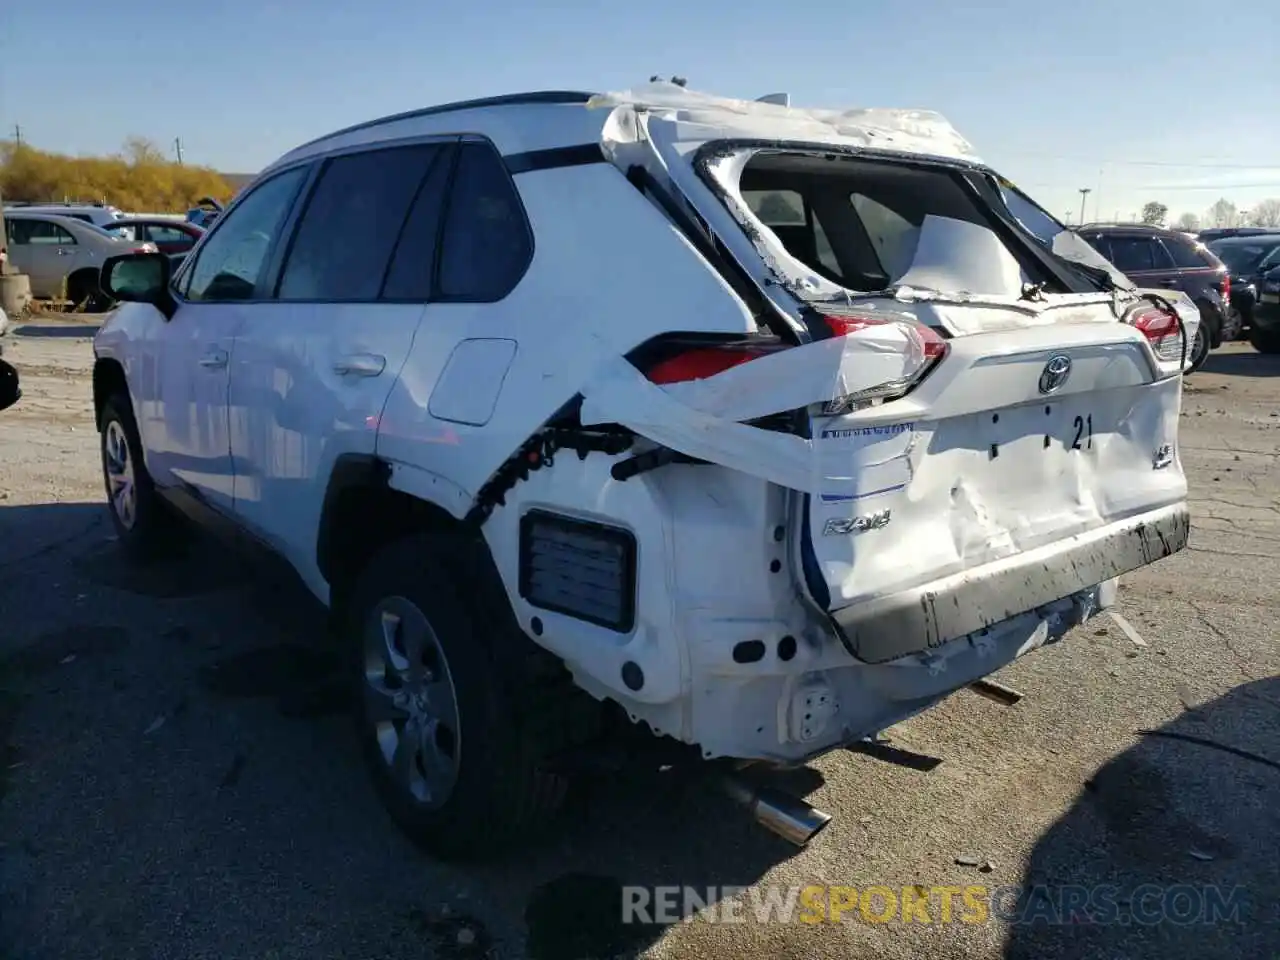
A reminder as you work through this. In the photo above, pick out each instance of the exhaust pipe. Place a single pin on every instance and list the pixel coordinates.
(789, 817)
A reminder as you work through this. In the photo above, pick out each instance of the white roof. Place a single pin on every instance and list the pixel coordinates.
(523, 123)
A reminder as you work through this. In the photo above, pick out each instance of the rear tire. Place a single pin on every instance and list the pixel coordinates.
(1199, 352)
(455, 708)
(144, 526)
(1265, 341)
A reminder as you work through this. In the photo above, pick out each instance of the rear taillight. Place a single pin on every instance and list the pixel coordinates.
(1225, 286)
(699, 363)
(1163, 331)
(922, 348)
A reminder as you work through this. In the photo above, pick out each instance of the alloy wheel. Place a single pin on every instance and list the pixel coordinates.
(122, 486)
(410, 701)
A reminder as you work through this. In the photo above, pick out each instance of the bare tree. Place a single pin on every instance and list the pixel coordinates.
(1265, 213)
(1189, 222)
(1223, 213)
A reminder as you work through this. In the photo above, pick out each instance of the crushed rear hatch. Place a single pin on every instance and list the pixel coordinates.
(969, 398)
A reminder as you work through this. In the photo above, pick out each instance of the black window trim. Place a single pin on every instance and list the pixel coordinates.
(280, 256)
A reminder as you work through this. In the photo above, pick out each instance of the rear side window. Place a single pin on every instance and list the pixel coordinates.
(410, 275)
(1185, 255)
(487, 240)
(351, 223)
(1131, 254)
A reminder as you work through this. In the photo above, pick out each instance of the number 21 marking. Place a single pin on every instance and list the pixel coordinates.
(1084, 430)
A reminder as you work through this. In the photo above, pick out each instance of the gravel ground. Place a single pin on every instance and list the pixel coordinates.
(168, 791)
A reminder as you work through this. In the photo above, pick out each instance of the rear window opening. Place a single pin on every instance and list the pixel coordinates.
(870, 225)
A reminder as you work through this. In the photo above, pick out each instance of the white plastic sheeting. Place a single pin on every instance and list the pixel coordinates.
(908, 131)
(702, 418)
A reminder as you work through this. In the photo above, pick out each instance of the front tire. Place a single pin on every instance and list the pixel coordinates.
(144, 527)
(443, 706)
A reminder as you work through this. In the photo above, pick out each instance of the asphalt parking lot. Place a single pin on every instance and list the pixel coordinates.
(168, 792)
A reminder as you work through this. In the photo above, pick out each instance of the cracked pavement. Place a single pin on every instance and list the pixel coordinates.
(175, 786)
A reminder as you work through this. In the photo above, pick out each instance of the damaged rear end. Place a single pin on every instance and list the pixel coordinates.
(973, 415)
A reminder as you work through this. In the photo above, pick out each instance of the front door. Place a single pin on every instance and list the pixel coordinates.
(186, 424)
(313, 367)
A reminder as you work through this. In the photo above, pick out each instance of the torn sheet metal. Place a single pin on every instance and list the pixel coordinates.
(703, 418)
(909, 131)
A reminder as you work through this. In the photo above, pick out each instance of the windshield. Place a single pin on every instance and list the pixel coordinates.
(1247, 256)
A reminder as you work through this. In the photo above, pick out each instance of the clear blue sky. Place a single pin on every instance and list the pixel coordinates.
(1168, 100)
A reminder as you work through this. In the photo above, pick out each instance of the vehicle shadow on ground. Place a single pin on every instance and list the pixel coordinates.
(1251, 364)
(83, 331)
(188, 720)
(1170, 851)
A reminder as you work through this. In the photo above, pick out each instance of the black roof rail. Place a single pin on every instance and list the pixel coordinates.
(534, 98)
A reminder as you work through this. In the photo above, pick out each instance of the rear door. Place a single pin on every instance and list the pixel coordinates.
(1144, 260)
(316, 361)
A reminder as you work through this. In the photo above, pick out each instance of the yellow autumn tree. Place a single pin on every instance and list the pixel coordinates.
(137, 179)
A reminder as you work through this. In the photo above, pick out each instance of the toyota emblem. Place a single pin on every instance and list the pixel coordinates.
(1055, 373)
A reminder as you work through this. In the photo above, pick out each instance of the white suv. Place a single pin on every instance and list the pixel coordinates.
(771, 427)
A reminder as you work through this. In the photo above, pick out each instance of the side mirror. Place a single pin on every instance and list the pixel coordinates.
(10, 393)
(139, 278)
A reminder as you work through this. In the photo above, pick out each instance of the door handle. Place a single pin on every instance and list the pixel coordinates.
(360, 365)
(1168, 283)
(214, 359)
(64, 252)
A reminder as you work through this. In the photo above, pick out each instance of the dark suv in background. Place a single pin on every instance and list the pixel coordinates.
(1155, 257)
(1253, 260)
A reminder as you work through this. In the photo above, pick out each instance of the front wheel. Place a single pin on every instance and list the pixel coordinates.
(144, 527)
(454, 755)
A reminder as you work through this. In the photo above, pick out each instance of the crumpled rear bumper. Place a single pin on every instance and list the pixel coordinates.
(926, 617)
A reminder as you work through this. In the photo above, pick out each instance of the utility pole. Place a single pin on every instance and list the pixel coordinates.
(1084, 193)
(17, 134)
(177, 147)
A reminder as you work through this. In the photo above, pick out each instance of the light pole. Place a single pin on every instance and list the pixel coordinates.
(1084, 193)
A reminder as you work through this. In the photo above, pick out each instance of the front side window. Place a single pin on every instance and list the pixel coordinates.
(233, 257)
(352, 222)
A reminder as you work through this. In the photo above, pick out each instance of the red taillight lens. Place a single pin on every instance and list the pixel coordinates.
(699, 363)
(1226, 286)
(904, 348)
(934, 345)
(1163, 331)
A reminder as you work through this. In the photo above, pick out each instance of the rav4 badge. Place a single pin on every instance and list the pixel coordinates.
(842, 526)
